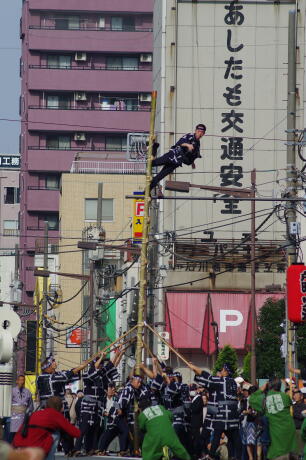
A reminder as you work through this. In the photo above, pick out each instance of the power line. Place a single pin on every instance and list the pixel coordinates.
(127, 130)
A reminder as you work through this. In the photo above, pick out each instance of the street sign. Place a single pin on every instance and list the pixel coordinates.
(9, 161)
(75, 337)
(162, 348)
(296, 293)
(138, 216)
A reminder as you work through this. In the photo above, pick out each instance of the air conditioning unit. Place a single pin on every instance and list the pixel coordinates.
(101, 23)
(146, 57)
(80, 137)
(145, 97)
(79, 56)
(80, 97)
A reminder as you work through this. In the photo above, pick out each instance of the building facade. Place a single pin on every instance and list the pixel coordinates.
(224, 64)
(9, 223)
(78, 214)
(86, 73)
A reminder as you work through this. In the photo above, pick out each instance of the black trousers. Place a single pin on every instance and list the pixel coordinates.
(199, 440)
(167, 160)
(87, 434)
(121, 430)
(234, 442)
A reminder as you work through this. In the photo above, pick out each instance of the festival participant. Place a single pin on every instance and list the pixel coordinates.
(276, 406)
(155, 422)
(52, 382)
(222, 416)
(95, 381)
(185, 151)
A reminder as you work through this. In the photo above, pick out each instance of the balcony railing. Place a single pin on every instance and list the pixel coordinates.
(107, 167)
(121, 108)
(90, 148)
(36, 228)
(92, 67)
(85, 28)
(10, 232)
(38, 187)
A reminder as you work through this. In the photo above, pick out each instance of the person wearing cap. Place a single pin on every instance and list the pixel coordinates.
(185, 151)
(222, 416)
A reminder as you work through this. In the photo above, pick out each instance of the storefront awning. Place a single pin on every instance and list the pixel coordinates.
(189, 316)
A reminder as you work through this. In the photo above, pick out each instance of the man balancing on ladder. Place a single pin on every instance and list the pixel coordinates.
(185, 151)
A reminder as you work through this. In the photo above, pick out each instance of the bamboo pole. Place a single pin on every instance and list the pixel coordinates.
(144, 245)
(168, 344)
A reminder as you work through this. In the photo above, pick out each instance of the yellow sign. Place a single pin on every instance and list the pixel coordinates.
(138, 219)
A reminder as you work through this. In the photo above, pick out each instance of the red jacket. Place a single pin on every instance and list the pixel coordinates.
(38, 436)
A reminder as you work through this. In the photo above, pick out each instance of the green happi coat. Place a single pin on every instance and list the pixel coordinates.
(155, 421)
(281, 425)
(303, 434)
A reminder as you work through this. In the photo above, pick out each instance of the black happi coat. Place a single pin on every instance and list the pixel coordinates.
(222, 411)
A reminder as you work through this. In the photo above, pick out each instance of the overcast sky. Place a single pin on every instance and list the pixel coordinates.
(9, 71)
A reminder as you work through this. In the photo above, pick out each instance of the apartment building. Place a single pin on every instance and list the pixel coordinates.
(86, 70)
(86, 79)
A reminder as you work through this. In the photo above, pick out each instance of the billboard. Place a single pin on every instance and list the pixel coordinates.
(229, 71)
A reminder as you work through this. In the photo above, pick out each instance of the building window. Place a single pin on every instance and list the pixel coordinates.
(58, 142)
(58, 102)
(123, 23)
(52, 220)
(107, 209)
(52, 182)
(122, 63)
(58, 62)
(10, 228)
(11, 195)
(117, 144)
(71, 22)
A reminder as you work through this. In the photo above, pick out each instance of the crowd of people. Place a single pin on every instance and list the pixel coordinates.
(217, 416)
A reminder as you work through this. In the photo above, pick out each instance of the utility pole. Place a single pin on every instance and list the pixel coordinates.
(43, 345)
(145, 241)
(91, 308)
(291, 170)
(253, 279)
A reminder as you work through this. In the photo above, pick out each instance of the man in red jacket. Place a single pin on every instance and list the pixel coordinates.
(40, 428)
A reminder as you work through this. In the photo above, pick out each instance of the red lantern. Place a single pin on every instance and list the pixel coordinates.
(296, 293)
